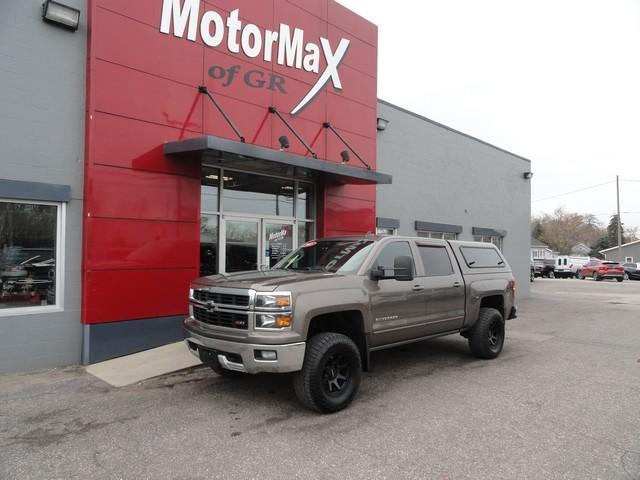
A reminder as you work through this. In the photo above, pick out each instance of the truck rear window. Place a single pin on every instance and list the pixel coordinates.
(481, 257)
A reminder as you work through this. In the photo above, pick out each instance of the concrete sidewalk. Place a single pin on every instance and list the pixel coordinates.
(144, 365)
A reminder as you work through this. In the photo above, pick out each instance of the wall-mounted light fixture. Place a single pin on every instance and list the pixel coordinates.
(61, 15)
(382, 124)
(345, 156)
(284, 142)
(527, 175)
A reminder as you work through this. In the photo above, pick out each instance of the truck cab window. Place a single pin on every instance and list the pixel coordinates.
(390, 252)
(436, 261)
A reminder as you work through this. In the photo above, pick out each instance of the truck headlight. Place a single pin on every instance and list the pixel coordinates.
(279, 301)
(273, 320)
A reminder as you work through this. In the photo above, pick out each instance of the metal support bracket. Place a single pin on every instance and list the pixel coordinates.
(274, 111)
(203, 89)
(328, 126)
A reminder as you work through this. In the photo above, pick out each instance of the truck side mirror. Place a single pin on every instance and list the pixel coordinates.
(403, 269)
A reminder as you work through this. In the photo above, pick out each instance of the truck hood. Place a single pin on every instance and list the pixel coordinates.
(266, 281)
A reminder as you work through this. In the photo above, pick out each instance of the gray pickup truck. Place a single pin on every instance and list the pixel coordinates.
(326, 306)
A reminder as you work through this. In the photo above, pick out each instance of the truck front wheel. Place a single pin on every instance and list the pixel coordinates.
(330, 375)
(487, 335)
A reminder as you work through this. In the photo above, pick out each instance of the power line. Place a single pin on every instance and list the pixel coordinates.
(573, 191)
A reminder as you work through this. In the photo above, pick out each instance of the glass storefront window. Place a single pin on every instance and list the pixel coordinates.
(208, 245)
(28, 254)
(278, 242)
(255, 194)
(209, 195)
(304, 205)
(305, 232)
(241, 241)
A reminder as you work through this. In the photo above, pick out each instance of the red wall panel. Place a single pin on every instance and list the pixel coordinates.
(116, 295)
(141, 229)
(118, 244)
(124, 193)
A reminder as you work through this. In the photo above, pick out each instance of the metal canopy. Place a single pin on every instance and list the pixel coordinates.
(230, 153)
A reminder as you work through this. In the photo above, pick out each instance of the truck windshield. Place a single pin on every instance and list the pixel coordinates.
(337, 256)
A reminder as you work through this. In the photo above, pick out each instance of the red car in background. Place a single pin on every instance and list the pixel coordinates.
(602, 269)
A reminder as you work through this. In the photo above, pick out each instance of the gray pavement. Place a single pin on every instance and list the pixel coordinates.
(561, 402)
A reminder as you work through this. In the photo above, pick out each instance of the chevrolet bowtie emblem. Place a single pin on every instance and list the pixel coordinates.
(211, 307)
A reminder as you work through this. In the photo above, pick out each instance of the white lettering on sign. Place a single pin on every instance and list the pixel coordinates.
(280, 235)
(290, 47)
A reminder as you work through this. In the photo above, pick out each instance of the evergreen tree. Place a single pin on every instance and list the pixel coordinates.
(612, 231)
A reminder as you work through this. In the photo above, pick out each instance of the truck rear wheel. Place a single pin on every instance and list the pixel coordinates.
(330, 375)
(487, 335)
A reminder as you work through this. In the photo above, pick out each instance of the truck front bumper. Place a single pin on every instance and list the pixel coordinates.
(246, 357)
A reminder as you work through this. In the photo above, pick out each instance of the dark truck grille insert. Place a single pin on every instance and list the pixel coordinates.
(221, 319)
(221, 298)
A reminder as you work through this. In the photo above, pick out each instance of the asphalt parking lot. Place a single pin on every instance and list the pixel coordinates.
(561, 402)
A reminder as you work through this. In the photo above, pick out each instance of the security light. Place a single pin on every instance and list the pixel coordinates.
(382, 124)
(345, 156)
(284, 142)
(61, 15)
(527, 175)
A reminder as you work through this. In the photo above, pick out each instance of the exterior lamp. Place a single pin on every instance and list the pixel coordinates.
(61, 15)
(284, 142)
(382, 124)
(345, 156)
(527, 175)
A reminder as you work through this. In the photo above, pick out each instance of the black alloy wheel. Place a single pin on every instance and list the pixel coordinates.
(335, 374)
(486, 339)
(330, 374)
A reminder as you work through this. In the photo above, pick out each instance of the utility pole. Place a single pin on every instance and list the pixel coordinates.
(619, 219)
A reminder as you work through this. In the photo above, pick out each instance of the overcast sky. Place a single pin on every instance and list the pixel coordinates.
(556, 81)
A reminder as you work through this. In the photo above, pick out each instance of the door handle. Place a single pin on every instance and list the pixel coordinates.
(418, 288)
(457, 284)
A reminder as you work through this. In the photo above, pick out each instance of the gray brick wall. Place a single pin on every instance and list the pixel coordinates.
(42, 98)
(444, 176)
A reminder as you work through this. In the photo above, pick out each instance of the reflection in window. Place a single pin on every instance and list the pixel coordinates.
(305, 232)
(387, 257)
(248, 193)
(27, 254)
(436, 261)
(210, 189)
(208, 245)
(304, 206)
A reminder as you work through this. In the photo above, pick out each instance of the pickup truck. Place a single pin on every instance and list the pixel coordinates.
(326, 306)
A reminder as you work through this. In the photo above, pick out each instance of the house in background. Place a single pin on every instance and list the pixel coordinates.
(581, 250)
(540, 249)
(630, 253)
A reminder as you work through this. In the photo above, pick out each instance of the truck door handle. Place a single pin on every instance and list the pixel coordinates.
(418, 288)
(457, 284)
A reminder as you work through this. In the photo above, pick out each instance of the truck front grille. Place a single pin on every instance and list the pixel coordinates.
(221, 319)
(221, 298)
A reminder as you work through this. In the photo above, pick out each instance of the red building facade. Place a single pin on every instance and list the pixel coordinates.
(313, 61)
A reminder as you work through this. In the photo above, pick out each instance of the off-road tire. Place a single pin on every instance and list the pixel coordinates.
(487, 335)
(312, 383)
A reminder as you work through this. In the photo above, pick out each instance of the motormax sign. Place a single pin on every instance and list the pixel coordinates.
(285, 45)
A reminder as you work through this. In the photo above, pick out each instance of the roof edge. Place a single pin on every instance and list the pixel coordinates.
(621, 246)
(421, 117)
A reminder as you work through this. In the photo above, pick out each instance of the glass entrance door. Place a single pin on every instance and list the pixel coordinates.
(277, 241)
(241, 244)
